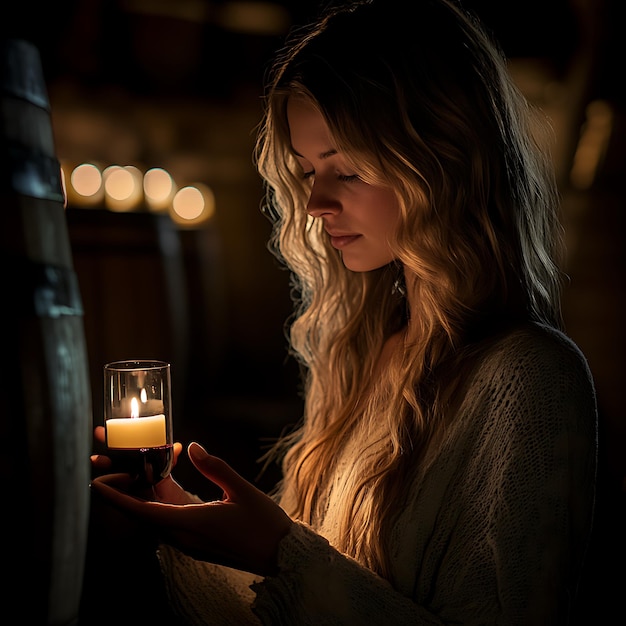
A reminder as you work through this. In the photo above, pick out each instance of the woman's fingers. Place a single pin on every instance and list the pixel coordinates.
(123, 485)
(165, 514)
(168, 490)
(178, 448)
(99, 434)
(218, 471)
(100, 462)
(114, 482)
(112, 487)
(243, 530)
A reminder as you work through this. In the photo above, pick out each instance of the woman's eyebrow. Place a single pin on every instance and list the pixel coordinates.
(321, 156)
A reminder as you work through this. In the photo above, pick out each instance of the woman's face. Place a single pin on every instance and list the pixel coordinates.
(359, 218)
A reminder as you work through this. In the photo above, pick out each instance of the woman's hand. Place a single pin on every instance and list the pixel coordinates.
(242, 530)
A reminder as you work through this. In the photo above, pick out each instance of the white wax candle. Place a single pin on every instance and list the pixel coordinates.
(136, 432)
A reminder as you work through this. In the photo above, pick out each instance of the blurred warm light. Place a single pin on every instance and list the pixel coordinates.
(83, 184)
(254, 17)
(86, 179)
(108, 172)
(188, 203)
(189, 10)
(193, 205)
(159, 189)
(592, 144)
(123, 187)
(260, 18)
(126, 188)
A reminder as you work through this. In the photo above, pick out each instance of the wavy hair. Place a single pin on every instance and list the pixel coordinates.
(425, 106)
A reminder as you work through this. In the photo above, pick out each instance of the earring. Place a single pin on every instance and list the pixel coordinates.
(399, 286)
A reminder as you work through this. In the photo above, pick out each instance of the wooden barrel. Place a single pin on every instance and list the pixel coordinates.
(45, 409)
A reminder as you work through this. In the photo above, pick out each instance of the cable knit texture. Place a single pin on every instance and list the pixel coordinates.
(494, 532)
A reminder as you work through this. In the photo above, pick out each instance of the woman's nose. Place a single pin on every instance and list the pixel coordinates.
(322, 201)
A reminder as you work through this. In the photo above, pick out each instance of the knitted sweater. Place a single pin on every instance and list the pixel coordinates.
(495, 532)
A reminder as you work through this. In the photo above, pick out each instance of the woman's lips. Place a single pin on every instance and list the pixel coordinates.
(341, 241)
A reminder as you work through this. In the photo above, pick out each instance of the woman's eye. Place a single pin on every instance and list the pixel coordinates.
(348, 179)
(344, 178)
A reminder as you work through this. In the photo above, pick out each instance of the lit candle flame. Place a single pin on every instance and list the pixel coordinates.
(134, 407)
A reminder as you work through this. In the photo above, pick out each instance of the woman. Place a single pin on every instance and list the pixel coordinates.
(444, 468)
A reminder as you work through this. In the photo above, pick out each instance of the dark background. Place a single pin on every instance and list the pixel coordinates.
(178, 85)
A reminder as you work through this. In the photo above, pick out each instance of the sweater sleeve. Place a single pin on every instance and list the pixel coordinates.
(202, 593)
(319, 586)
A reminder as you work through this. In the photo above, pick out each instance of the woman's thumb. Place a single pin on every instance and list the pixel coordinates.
(214, 468)
(197, 453)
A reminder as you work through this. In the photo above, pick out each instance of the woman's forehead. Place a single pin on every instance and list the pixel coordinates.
(309, 132)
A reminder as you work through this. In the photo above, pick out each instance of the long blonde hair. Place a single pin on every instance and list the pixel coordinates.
(426, 107)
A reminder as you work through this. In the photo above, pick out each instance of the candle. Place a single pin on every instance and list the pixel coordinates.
(136, 432)
(141, 408)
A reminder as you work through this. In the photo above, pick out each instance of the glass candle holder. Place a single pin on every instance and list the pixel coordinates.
(138, 418)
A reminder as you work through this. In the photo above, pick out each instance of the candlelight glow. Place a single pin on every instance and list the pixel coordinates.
(592, 144)
(123, 187)
(158, 188)
(86, 179)
(193, 205)
(127, 188)
(83, 184)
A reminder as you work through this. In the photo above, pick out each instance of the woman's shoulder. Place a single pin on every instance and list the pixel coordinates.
(538, 341)
(541, 353)
(537, 372)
